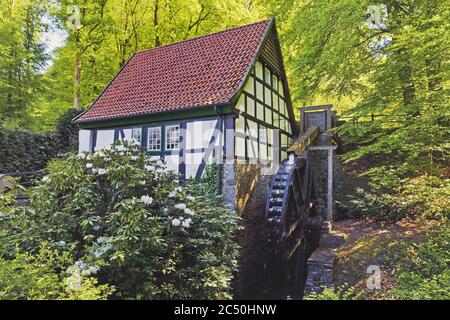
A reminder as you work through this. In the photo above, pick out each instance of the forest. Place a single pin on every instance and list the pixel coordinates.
(383, 64)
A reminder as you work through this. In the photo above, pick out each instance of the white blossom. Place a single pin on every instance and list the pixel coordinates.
(45, 178)
(180, 206)
(188, 211)
(186, 223)
(101, 172)
(121, 154)
(176, 222)
(191, 198)
(94, 170)
(134, 157)
(89, 165)
(172, 194)
(142, 182)
(147, 200)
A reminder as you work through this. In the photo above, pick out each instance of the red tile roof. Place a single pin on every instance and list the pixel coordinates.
(207, 70)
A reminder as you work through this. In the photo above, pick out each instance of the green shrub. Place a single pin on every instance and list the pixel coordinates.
(66, 132)
(423, 197)
(25, 151)
(49, 275)
(422, 268)
(341, 293)
(124, 212)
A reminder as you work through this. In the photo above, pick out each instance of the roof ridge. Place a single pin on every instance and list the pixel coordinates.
(203, 36)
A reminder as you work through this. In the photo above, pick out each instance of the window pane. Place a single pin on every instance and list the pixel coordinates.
(172, 137)
(136, 134)
(154, 138)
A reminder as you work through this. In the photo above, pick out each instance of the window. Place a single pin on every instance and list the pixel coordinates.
(154, 138)
(136, 134)
(172, 137)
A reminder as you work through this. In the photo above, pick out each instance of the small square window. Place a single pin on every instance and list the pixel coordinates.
(136, 134)
(154, 139)
(172, 137)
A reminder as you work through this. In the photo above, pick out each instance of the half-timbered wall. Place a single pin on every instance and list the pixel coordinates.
(262, 109)
(186, 146)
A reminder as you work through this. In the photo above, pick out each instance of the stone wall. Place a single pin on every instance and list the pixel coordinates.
(250, 195)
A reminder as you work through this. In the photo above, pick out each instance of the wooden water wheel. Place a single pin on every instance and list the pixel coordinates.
(293, 226)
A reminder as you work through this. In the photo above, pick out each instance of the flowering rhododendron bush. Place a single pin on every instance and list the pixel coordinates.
(124, 214)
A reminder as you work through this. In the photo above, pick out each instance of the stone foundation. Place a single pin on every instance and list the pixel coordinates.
(251, 192)
(320, 270)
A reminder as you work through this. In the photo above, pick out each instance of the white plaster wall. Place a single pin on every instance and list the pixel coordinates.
(84, 137)
(104, 139)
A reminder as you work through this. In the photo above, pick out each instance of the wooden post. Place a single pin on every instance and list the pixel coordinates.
(330, 186)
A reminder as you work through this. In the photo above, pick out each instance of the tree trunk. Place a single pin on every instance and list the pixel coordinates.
(77, 82)
(155, 24)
